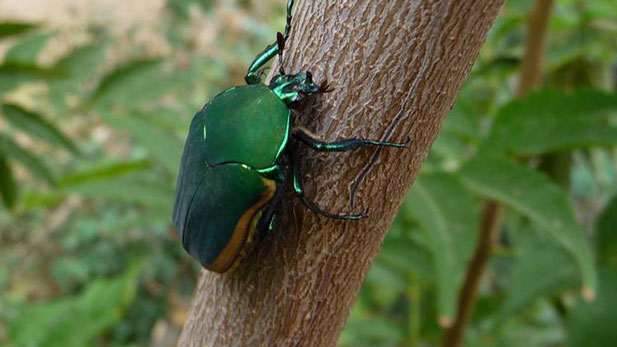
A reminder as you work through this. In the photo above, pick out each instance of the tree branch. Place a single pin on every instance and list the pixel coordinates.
(397, 67)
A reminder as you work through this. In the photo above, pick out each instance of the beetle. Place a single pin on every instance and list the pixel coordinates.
(237, 158)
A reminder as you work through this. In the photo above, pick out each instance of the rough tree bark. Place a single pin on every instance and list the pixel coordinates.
(397, 67)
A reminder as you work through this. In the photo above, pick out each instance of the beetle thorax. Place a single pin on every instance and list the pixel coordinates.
(293, 88)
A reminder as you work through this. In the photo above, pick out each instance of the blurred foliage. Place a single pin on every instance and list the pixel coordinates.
(90, 143)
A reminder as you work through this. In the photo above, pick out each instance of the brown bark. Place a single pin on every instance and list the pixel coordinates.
(397, 67)
(530, 74)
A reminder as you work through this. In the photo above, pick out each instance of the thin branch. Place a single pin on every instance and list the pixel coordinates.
(490, 224)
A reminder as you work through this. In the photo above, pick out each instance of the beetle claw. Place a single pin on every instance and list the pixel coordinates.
(325, 88)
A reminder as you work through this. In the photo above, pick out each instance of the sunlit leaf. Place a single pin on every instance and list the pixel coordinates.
(8, 187)
(14, 28)
(537, 197)
(29, 160)
(35, 125)
(27, 50)
(445, 210)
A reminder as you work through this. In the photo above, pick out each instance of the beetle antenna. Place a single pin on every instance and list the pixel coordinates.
(280, 41)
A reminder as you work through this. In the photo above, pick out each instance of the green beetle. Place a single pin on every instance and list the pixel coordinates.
(237, 158)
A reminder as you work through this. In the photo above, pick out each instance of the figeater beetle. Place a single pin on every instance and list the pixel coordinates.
(237, 158)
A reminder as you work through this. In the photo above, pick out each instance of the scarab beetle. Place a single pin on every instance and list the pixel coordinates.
(237, 158)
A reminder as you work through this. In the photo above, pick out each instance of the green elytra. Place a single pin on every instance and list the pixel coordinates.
(237, 159)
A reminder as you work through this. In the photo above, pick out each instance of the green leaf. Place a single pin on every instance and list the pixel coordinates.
(593, 323)
(542, 269)
(606, 232)
(104, 172)
(34, 199)
(94, 311)
(13, 75)
(159, 144)
(14, 28)
(35, 125)
(123, 79)
(372, 332)
(79, 65)
(408, 257)
(119, 182)
(534, 195)
(29, 160)
(385, 296)
(549, 121)
(8, 188)
(131, 190)
(27, 50)
(82, 61)
(138, 83)
(445, 210)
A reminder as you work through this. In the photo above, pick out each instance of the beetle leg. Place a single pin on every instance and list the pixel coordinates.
(297, 183)
(267, 221)
(252, 77)
(310, 140)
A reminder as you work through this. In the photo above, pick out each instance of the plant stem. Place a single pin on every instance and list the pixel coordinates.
(491, 221)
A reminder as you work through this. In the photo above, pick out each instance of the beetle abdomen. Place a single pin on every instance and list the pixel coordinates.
(220, 216)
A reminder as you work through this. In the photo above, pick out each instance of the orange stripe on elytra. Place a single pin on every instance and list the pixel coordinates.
(243, 231)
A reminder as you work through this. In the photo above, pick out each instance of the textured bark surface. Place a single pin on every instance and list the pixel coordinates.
(397, 67)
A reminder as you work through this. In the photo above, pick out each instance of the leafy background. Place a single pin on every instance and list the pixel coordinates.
(95, 101)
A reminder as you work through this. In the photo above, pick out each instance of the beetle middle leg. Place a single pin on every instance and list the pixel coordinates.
(308, 139)
(299, 190)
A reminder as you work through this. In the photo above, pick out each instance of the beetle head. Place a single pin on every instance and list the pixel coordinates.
(292, 89)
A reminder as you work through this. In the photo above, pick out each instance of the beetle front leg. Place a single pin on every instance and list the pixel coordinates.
(252, 75)
(310, 140)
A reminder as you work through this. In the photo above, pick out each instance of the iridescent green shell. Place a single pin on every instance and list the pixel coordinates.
(248, 125)
(216, 208)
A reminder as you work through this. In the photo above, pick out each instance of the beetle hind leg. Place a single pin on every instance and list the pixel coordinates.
(299, 190)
